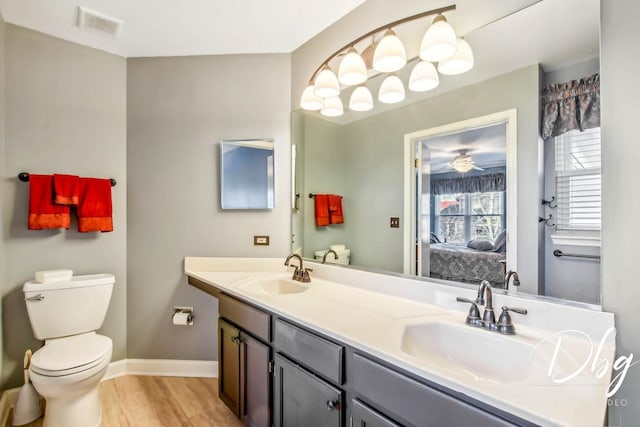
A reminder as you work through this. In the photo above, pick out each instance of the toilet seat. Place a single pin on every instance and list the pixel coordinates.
(71, 355)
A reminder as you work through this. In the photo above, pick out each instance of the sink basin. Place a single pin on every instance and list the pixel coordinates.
(479, 354)
(273, 286)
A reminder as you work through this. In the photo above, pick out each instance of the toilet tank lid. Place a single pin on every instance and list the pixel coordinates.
(76, 281)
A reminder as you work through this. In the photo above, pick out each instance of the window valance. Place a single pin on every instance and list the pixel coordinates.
(571, 105)
(471, 184)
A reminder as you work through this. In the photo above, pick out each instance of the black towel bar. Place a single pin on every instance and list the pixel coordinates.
(559, 254)
(24, 177)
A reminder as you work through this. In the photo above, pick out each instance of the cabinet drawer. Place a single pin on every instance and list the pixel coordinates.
(415, 402)
(316, 353)
(249, 318)
(364, 416)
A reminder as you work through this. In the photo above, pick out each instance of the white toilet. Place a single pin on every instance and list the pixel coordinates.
(67, 369)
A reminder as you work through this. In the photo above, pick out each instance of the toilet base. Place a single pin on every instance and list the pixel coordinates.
(75, 411)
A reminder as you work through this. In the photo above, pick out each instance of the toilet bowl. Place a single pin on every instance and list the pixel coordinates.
(66, 371)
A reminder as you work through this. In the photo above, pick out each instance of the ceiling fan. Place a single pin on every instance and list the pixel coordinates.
(463, 162)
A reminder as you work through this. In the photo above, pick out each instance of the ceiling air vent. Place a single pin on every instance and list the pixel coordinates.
(100, 22)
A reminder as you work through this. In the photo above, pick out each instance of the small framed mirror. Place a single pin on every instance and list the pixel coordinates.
(246, 174)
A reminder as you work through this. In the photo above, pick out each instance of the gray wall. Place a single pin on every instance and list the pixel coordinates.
(620, 173)
(178, 111)
(66, 113)
(366, 157)
(575, 279)
(323, 171)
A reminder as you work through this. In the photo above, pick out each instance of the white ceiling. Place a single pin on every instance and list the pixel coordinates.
(185, 27)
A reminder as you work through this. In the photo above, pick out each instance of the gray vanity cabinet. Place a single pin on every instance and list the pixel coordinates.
(229, 365)
(244, 362)
(364, 416)
(303, 399)
(414, 402)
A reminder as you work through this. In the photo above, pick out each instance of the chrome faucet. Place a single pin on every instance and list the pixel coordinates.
(488, 318)
(504, 325)
(299, 274)
(330, 251)
(516, 279)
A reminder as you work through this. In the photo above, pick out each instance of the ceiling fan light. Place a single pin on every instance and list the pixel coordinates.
(332, 107)
(352, 70)
(389, 55)
(309, 101)
(424, 77)
(326, 83)
(391, 90)
(462, 167)
(460, 62)
(361, 99)
(439, 42)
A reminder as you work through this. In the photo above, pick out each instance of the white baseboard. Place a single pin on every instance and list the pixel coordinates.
(155, 367)
(163, 368)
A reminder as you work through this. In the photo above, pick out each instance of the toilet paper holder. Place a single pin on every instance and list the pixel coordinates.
(178, 309)
(182, 316)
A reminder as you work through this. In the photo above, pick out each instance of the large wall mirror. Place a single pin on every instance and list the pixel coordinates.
(390, 216)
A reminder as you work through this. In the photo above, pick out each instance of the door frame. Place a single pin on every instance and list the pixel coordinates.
(510, 117)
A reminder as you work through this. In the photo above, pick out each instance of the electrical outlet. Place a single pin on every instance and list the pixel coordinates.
(260, 240)
(394, 222)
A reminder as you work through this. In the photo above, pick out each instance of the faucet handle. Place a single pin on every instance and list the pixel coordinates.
(505, 325)
(473, 318)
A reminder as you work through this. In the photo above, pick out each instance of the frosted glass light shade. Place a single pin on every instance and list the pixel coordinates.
(352, 70)
(332, 107)
(389, 55)
(460, 62)
(361, 99)
(391, 90)
(326, 83)
(424, 77)
(439, 42)
(309, 101)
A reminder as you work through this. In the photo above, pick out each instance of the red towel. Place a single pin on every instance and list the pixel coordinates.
(66, 189)
(335, 209)
(43, 213)
(94, 206)
(322, 209)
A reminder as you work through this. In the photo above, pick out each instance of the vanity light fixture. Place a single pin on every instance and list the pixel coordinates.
(389, 55)
(391, 90)
(361, 99)
(385, 56)
(460, 62)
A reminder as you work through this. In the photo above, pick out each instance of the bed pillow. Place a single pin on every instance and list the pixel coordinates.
(433, 238)
(480, 245)
(500, 243)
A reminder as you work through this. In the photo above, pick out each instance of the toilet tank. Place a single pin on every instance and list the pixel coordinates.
(69, 307)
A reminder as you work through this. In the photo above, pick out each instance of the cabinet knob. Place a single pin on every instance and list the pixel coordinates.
(333, 405)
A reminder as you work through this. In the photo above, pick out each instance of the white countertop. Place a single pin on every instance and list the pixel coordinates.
(371, 311)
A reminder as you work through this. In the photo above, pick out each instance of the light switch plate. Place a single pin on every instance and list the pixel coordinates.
(260, 240)
(394, 222)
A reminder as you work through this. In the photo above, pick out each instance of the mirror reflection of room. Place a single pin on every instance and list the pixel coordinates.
(462, 206)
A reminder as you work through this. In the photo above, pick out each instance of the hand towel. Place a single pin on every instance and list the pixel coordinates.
(322, 209)
(335, 209)
(66, 188)
(94, 205)
(43, 213)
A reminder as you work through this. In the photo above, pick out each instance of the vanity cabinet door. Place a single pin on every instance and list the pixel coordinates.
(229, 365)
(302, 399)
(255, 382)
(364, 416)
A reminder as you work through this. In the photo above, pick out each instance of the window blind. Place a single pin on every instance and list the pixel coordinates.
(578, 182)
